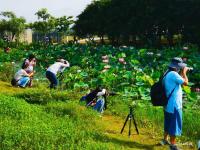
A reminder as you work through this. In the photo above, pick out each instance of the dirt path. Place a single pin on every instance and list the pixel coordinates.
(144, 141)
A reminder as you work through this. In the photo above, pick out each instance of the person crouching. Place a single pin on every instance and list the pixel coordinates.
(96, 99)
(52, 71)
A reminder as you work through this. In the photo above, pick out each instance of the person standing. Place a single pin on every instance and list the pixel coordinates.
(31, 63)
(174, 79)
(52, 71)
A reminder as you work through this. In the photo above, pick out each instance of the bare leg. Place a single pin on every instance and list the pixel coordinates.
(165, 136)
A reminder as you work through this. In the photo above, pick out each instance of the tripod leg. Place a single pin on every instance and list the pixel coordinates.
(124, 123)
(129, 133)
(135, 125)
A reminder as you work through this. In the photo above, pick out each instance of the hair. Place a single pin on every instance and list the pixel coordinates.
(25, 65)
(31, 56)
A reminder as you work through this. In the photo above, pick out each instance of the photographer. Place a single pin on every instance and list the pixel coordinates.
(52, 71)
(22, 78)
(96, 99)
(175, 77)
(31, 63)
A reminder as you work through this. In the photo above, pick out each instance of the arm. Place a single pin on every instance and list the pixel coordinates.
(27, 75)
(65, 65)
(183, 74)
(103, 92)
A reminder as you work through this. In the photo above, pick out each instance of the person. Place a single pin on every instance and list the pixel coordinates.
(175, 77)
(96, 99)
(52, 71)
(21, 78)
(30, 62)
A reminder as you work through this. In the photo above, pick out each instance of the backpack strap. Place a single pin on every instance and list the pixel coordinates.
(171, 93)
(162, 82)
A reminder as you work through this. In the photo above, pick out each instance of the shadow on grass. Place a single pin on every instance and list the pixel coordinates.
(124, 143)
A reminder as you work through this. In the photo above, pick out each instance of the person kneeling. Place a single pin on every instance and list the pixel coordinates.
(96, 99)
(21, 78)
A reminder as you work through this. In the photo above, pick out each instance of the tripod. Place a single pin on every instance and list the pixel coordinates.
(130, 117)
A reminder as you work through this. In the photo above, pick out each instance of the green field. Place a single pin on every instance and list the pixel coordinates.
(37, 118)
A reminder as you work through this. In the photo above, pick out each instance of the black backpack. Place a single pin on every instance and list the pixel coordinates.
(158, 94)
(13, 82)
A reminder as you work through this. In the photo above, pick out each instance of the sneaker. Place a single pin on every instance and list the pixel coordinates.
(173, 147)
(164, 142)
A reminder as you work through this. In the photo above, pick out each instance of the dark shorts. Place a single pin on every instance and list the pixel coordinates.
(173, 122)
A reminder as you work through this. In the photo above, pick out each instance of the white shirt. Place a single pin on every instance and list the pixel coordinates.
(30, 65)
(173, 80)
(103, 92)
(21, 73)
(57, 67)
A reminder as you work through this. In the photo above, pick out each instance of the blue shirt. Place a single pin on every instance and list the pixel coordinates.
(173, 80)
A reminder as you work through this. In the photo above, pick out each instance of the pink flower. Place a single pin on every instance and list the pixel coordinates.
(121, 60)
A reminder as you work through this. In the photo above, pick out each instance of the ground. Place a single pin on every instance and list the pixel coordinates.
(112, 125)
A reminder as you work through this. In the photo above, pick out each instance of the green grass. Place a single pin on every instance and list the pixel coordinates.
(39, 119)
(53, 126)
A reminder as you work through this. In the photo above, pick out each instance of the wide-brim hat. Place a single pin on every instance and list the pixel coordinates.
(178, 63)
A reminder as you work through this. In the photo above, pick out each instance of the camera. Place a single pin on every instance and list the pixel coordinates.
(190, 69)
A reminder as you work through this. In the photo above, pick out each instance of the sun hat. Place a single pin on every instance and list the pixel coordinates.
(178, 63)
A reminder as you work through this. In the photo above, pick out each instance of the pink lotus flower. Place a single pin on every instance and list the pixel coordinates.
(197, 89)
(121, 60)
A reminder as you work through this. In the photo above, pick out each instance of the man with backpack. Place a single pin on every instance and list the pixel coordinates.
(96, 99)
(174, 78)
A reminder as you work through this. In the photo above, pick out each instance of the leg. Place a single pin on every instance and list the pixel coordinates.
(99, 105)
(125, 123)
(173, 140)
(23, 81)
(165, 136)
(134, 122)
(129, 133)
(52, 78)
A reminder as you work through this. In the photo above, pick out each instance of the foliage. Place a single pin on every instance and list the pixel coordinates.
(141, 22)
(12, 24)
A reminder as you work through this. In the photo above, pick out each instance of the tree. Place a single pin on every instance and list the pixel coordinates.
(43, 14)
(12, 24)
(146, 19)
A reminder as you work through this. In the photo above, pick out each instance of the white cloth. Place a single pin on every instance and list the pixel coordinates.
(103, 92)
(173, 80)
(57, 67)
(30, 65)
(20, 73)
